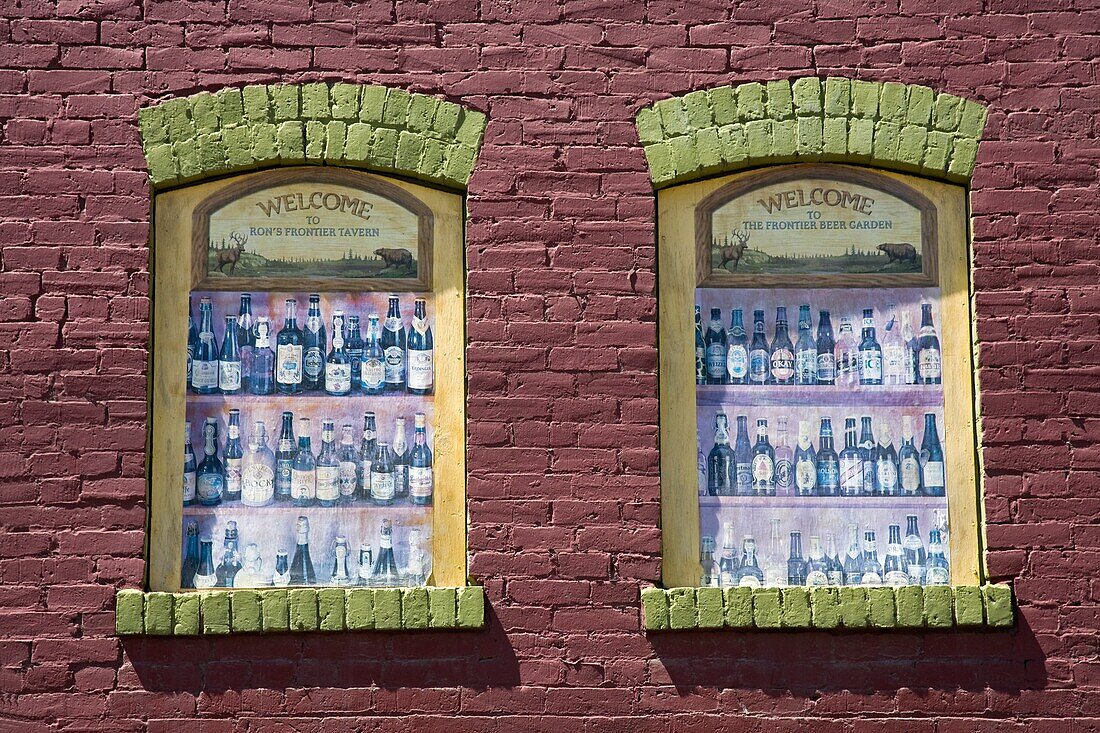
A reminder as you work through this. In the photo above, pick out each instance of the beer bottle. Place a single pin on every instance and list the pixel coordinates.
(261, 372)
(192, 342)
(870, 353)
(210, 478)
(817, 568)
(828, 464)
(340, 575)
(337, 372)
(709, 577)
(737, 355)
(727, 565)
(393, 346)
(759, 353)
(911, 348)
(851, 462)
(895, 568)
(805, 462)
(929, 368)
(204, 364)
(229, 364)
(867, 448)
(314, 341)
(367, 448)
(914, 550)
(938, 572)
(782, 356)
(205, 576)
(191, 559)
(234, 457)
(700, 349)
(281, 576)
(870, 567)
(716, 343)
(258, 475)
(288, 352)
(303, 473)
(749, 574)
(832, 561)
(231, 557)
(826, 350)
(932, 453)
(400, 460)
(354, 349)
(190, 471)
(328, 467)
(784, 461)
(246, 338)
(284, 459)
(742, 458)
(301, 567)
(421, 351)
(796, 566)
(421, 481)
(847, 355)
(805, 351)
(382, 489)
(886, 464)
(909, 461)
(349, 464)
(853, 559)
(372, 375)
(763, 462)
(385, 567)
(893, 350)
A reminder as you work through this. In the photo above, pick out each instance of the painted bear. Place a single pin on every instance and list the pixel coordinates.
(899, 252)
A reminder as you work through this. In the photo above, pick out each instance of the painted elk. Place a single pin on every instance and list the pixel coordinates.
(731, 253)
(231, 255)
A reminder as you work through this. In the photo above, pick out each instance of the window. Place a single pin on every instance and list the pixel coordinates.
(831, 439)
(307, 383)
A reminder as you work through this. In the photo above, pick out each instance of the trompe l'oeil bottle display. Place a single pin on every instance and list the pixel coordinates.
(308, 455)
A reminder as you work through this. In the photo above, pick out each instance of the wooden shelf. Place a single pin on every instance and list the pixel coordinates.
(312, 397)
(289, 508)
(747, 395)
(823, 502)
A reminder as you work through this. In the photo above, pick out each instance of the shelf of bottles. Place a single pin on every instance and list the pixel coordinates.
(308, 457)
(820, 419)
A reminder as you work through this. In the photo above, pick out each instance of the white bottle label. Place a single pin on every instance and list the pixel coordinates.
(763, 469)
(826, 367)
(737, 361)
(349, 478)
(421, 368)
(288, 364)
(229, 376)
(338, 377)
(257, 485)
(805, 476)
(420, 482)
(328, 483)
(749, 581)
(210, 486)
(896, 577)
(395, 365)
(816, 577)
(871, 365)
(204, 374)
(314, 361)
(871, 579)
(910, 474)
(233, 475)
(205, 581)
(893, 358)
(303, 484)
(381, 486)
(933, 473)
(937, 576)
(374, 373)
(928, 365)
(887, 475)
(189, 485)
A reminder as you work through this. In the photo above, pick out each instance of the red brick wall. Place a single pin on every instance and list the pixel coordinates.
(563, 484)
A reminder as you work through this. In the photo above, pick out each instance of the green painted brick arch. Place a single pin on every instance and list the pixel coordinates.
(904, 127)
(374, 127)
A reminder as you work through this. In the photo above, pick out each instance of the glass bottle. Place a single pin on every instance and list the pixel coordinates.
(421, 473)
(210, 480)
(847, 354)
(400, 460)
(737, 353)
(258, 476)
(327, 467)
(230, 370)
(385, 567)
(909, 477)
(338, 363)
(796, 566)
(782, 356)
(281, 577)
(192, 342)
(805, 462)
(895, 568)
(354, 349)
(828, 464)
(763, 462)
(382, 490)
(870, 353)
(870, 567)
(932, 454)
(886, 464)
(721, 473)
(826, 350)
(250, 575)
(938, 572)
(234, 457)
(416, 568)
(301, 566)
(742, 458)
(834, 569)
(421, 351)
(710, 576)
(261, 374)
(366, 564)
(700, 350)
(231, 557)
(204, 365)
(372, 375)
(349, 464)
(367, 448)
(284, 460)
(716, 342)
(817, 567)
(749, 574)
(393, 346)
(867, 450)
(915, 555)
(727, 564)
(340, 575)
(784, 461)
(190, 471)
(893, 350)
(911, 348)
(850, 462)
(853, 559)
(246, 339)
(759, 354)
(288, 352)
(303, 473)
(775, 572)
(314, 341)
(929, 368)
(191, 558)
(805, 351)
(205, 576)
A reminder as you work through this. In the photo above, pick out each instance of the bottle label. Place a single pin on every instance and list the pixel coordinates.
(758, 366)
(205, 581)
(910, 475)
(887, 474)
(716, 361)
(374, 373)
(189, 485)
(349, 478)
(737, 362)
(817, 577)
(257, 484)
(870, 579)
(395, 365)
(700, 365)
(421, 368)
(851, 475)
(826, 367)
(288, 367)
(229, 376)
(748, 580)
(896, 577)
(782, 365)
(870, 365)
(381, 486)
(284, 476)
(303, 484)
(805, 365)
(868, 476)
(392, 323)
(916, 573)
(828, 474)
(338, 377)
(805, 476)
(233, 476)
(933, 474)
(210, 486)
(763, 469)
(365, 464)
(727, 578)
(928, 365)
(744, 477)
(204, 374)
(420, 482)
(314, 364)
(836, 577)
(401, 475)
(328, 483)
(893, 361)
(783, 473)
(937, 575)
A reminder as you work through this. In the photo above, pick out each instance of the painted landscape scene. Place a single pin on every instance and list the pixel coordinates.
(232, 256)
(733, 253)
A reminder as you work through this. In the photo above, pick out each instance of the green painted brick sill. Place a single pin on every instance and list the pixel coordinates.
(296, 610)
(829, 608)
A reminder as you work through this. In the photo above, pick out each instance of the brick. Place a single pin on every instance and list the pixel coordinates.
(708, 148)
(709, 607)
(892, 102)
(674, 120)
(807, 93)
(998, 605)
(735, 147)
(387, 608)
(937, 152)
(152, 125)
(865, 99)
(834, 136)
(697, 109)
(303, 609)
(345, 102)
(188, 157)
(409, 148)
(161, 160)
(290, 141)
(655, 609)
(257, 109)
(911, 146)
(177, 119)
(909, 600)
(372, 103)
(459, 163)
(330, 609)
(316, 137)
(684, 158)
(264, 148)
(738, 602)
(964, 153)
(357, 148)
(315, 101)
(723, 105)
(938, 613)
(810, 137)
(750, 101)
(919, 106)
(442, 608)
(825, 608)
(854, 607)
(445, 122)
(212, 156)
(767, 610)
(972, 118)
(838, 96)
(395, 113)
(246, 614)
(230, 107)
(158, 614)
(968, 605)
(383, 148)
(887, 138)
(946, 113)
(784, 139)
(681, 608)
(129, 612)
(414, 608)
(471, 129)
(431, 160)
(780, 100)
(881, 608)
(758, 137)
(238, 147)
(359, 609)
(187, 614)
(215, 612)
(204, 112)
(285, 102)
(422, 112)
(660, 162)
(796, 612)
